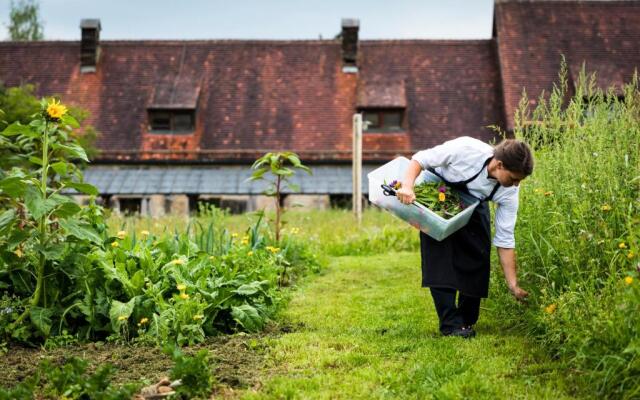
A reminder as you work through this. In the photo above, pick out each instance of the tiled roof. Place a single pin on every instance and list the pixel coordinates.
(258, 96)
(452, 86)
(532, 36)
(254, 96)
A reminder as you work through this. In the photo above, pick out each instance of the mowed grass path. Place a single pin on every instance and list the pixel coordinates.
(366, 330)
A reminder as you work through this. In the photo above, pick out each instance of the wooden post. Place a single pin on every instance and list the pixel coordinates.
(356, 170)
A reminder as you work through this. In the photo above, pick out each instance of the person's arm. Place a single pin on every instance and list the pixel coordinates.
(504, 239)
(508, 261)
(405, 193)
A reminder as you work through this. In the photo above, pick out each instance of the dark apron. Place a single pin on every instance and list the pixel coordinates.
(462, 260)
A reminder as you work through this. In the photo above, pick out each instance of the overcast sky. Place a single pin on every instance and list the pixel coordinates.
(263, 19)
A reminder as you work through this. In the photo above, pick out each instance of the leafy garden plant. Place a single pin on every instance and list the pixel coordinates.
(282, 167)
(64, 277)
(41, 229)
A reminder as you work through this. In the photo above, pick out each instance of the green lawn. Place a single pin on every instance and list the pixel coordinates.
(367, 330)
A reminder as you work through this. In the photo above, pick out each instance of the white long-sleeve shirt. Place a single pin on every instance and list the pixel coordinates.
(458, 160)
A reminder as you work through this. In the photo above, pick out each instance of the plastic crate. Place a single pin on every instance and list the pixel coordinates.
(416, 214)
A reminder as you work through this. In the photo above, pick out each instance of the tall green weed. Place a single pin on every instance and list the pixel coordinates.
(578, 230)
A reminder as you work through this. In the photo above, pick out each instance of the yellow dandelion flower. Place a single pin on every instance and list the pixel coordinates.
(198, 317)
(144, 233)
(182, 287)
(212, 258)
(121, 235)
(442, 196)
(628, 280)
(55, 109)
(115, 244)
(551, 308)
(184, 296)
(295, 230)
(122, 318)
(630, 255)
(178, 261)
(250, 253)
(143, 321)
(234, 235)
(538, 190)
(605, 207)
(622, 245)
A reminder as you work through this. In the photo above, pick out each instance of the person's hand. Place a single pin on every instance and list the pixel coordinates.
(519, 293)
(406, 195)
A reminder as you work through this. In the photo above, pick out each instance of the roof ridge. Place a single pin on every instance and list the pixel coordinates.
(566, 1)
(186, 42)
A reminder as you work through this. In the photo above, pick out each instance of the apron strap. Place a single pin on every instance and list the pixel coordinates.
(486, 162)
(462, 185)
(495, 189)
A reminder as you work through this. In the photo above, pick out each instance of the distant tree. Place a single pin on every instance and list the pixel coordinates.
(24, 20)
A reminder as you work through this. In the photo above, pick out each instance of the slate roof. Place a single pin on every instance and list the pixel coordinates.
(532, 36)
(230, 179)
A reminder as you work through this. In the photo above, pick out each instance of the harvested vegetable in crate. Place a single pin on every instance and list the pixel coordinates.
(437, 197)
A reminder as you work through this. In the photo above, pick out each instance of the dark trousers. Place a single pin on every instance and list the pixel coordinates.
(454, 316)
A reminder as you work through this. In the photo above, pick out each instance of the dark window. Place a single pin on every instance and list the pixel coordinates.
(130, 206)
(383, 120)
(171, 121)
(342, 201)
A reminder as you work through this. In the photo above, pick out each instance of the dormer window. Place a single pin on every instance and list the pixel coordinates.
(383, 105)
(171, 121)
(383, 120)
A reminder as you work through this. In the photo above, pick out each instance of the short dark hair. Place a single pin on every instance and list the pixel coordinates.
(515, 156)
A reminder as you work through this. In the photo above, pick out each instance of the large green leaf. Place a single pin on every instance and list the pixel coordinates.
(6, 219)
(86, 188)
(36, 160)
(18, 129)
(41, 318)
(60, 167)
(35, 202)
(67, 209)
(80, 230)
(73, 150)
(71, 121)
(38, 206)
(250, 288)
(51, 251)
(137, 281)
(13, 186)
(120, 312)
(248, 317)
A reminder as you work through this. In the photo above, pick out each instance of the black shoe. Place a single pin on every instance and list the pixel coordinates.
(466, 332)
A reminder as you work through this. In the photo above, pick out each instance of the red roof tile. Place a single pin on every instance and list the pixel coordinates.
(257, 96)
(254, 96)
(532, 36)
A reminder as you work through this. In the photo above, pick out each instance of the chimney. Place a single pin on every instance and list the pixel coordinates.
(349, 35)
(89, 45)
